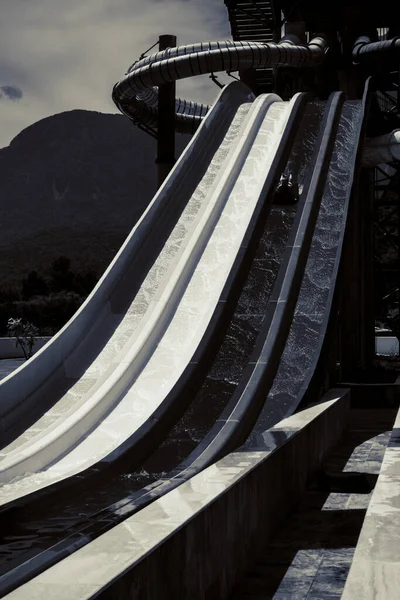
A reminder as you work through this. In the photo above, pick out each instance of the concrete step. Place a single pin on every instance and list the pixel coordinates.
(311, 554)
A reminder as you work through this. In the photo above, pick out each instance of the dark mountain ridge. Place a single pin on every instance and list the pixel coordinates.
(72, 184)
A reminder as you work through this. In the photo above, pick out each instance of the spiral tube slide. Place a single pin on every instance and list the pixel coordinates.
(137, 97)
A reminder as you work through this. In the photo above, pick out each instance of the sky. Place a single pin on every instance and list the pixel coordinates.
(58, 55)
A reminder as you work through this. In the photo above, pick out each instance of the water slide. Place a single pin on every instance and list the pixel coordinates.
(299, 252)
(112, 378)
(144, 333)
(109, 375)
(136, 95)
(124, 350)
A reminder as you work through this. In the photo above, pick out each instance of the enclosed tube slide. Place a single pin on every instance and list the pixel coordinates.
(382, 149)
(366, 51)
(136, 94)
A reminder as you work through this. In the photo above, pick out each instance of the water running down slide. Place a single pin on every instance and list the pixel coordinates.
(36, 563)
(252, 409)
(84, 385)
(330, 171)
(289, 347)
(308, 327)
(166, 318)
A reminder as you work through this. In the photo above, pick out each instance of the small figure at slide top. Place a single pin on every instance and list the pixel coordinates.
(287, 191)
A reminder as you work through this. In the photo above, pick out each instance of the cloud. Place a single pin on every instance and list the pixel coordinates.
(69, 55)
(10, 92)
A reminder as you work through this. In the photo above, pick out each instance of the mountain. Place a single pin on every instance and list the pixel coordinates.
(73, 184)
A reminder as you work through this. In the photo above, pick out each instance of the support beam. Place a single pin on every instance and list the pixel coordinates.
(367, 305)
(350, 288)
(166, 120)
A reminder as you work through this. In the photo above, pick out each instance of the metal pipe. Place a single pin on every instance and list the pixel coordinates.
(364, 50)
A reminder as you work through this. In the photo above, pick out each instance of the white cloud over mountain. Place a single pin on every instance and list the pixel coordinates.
(69, 55)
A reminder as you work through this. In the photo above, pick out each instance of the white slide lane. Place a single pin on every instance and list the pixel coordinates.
(99, 316)
(155, 339)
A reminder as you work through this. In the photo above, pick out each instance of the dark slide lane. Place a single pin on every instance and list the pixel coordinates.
(307, 349)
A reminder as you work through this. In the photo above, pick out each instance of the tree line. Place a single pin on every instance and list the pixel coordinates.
(46, 300)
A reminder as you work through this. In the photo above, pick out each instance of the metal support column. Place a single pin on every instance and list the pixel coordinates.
(166, 120)
(398, 92)
(349, 307)
(367, 308)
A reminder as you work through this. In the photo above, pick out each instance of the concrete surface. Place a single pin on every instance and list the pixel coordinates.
(196, 540)
(375, 571)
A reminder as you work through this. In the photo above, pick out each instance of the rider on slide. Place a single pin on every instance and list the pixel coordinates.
(287, 191)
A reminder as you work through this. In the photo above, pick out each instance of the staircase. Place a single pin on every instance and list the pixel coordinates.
(255, 21)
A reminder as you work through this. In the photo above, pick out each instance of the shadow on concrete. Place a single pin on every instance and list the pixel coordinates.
(311, 554)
